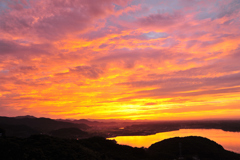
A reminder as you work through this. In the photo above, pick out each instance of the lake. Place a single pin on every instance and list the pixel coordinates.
(229, 140)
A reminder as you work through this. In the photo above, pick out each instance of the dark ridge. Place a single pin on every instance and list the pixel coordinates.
(41, 124)
(88, 122)
(27, 116)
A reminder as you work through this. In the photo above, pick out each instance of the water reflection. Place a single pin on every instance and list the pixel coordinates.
(229, 140)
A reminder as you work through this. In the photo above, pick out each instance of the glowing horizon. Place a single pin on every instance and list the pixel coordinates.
(127, 59)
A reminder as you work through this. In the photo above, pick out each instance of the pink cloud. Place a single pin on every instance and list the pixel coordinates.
(117, 53)
(38, 17)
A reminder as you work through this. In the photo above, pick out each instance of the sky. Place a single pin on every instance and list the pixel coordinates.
(120, 59)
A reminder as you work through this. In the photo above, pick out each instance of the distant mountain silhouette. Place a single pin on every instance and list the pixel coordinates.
(88, 122)
(27, 116)
(35, 125)
(85, 121)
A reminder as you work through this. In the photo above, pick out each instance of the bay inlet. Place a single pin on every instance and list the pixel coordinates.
(229, 140)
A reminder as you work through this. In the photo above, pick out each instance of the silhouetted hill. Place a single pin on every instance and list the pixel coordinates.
(109, 148)
(41, 124)
(69, 133)
(42, 147)
(191, 147)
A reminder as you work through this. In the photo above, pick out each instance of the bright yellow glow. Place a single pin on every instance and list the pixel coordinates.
(120, 61)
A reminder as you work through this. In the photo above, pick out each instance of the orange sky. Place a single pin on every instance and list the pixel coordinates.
(124, 59)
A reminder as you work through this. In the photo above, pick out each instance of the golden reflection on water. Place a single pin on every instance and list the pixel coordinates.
(229, 140)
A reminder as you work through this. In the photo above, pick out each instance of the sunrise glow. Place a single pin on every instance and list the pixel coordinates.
(123, 59)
